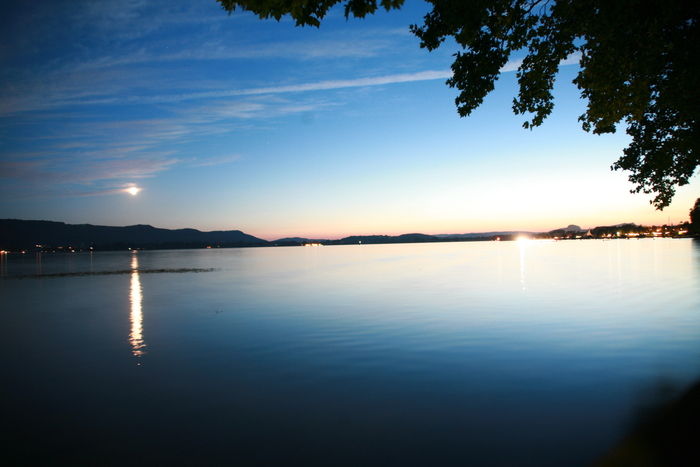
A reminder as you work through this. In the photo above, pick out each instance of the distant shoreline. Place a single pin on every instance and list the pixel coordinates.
(69, 249)
(48, 236)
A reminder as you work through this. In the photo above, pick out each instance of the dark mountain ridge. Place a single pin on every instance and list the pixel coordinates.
(21, 234)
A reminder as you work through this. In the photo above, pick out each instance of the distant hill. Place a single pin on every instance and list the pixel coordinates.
(21, 234)
(486, 234)
(299, 240)
(572, 228)
(405, 238)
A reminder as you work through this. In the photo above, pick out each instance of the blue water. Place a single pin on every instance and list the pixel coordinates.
(479, 354)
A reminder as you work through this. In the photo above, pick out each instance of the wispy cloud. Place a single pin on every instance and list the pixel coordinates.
(293, 88)
(112, 94)
(67, 171)
(116, 169)
(216, 160)
(106, 79)
(70, 95)
(512, 65)
(88, 193)
(219, 50)
(573, 59)
(320, 85)
(62, 176)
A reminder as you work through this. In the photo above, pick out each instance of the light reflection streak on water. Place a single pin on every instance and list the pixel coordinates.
(619, 269)
(500, 272)
(523, 243)
(136, 336)
(3, 264)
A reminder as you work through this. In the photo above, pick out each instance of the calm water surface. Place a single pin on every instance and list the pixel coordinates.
(478, 354)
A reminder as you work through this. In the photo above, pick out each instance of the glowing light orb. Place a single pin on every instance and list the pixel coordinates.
(133, 190)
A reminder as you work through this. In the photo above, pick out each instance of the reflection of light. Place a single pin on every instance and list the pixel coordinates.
(136, 336)
(523, 243)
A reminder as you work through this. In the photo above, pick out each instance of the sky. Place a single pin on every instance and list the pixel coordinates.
(229, 122)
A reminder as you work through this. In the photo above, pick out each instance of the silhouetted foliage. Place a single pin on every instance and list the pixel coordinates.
(695, 217)
(615, 230)
(666, 435)
(639, 66)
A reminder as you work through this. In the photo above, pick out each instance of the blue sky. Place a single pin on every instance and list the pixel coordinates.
(229, 122)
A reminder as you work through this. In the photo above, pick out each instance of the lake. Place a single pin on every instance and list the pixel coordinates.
(528, 353)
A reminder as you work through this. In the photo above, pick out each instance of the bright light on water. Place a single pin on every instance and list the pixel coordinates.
(136, 336)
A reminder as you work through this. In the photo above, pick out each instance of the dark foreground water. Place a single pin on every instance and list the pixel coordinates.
(476, 354)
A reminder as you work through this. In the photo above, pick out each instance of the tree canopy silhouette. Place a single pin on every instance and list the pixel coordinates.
(695, 217)
(638, 66)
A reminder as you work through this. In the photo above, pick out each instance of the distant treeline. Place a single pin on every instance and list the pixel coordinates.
(406, 238)
(621, 230)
